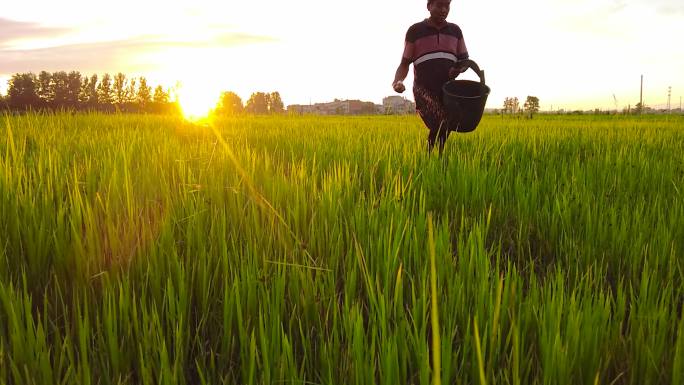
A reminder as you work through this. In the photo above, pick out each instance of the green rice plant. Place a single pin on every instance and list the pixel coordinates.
(322, 250)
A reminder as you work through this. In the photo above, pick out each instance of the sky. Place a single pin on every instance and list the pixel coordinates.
(571, 54)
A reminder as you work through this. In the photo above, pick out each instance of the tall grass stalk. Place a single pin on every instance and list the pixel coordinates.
(434, 309)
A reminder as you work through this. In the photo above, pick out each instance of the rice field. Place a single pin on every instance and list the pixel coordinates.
(336, 250)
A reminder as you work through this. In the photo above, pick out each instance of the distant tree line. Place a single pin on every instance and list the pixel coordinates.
(512, 106)
(259, 103)
(71, 91)
(54, 91)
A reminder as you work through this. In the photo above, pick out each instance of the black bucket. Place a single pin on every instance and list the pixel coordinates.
(465, 100)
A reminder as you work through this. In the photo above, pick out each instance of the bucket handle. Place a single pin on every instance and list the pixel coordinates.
(472, 65)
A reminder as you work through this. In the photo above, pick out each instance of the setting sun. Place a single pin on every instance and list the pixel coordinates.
(197, 99)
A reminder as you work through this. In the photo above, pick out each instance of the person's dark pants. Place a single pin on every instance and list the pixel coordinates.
(431, 110)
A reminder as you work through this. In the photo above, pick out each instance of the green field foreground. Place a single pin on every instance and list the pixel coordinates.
(335, 250)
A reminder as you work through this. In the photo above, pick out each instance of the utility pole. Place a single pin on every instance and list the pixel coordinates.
(669, 95)
(641, 95)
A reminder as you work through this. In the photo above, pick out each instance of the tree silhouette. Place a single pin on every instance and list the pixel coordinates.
(45, 89)
(229, 104)
(160, 96)
(119, 89)
(258, 103)
(144, 96)
(531, 105)
(160, 101)
(90, 98)
(22, 91)
(131, 91)
(105, 93)
(267, 98)
(59, 83)
(511, 105)
(73, 88)
(508, 105)
(638, 108)
(275, 104)
(83, 93)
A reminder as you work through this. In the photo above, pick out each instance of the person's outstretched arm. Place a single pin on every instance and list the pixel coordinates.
(406, 60)
(399, 76)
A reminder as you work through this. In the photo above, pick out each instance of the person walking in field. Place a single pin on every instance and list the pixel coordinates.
(435, 47)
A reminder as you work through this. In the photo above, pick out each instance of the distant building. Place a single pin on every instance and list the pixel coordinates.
(336, 107)
(300, 109)
(390, 105)
(398, 105)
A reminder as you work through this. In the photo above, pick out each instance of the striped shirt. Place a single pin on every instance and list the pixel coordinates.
(433, 51)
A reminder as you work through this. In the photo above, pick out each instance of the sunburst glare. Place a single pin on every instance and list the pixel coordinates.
(197, 99)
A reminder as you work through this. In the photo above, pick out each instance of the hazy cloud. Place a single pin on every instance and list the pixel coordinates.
(668, 7)
(12, 30)
(109, 55)
(664, 7)
(609, 8)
